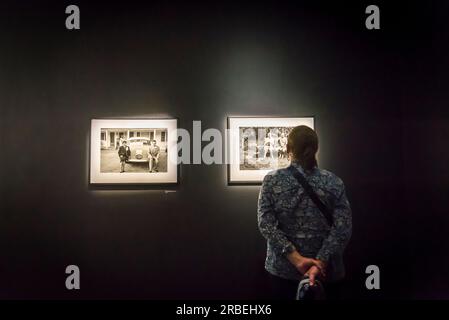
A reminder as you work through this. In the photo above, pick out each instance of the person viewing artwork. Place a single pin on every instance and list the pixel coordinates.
(123, 152)
(153, 156)
(300, 239)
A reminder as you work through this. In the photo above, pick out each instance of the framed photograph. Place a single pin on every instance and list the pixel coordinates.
(258, 145)
(133, 151)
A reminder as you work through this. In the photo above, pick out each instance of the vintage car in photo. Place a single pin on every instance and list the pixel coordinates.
(139, 147)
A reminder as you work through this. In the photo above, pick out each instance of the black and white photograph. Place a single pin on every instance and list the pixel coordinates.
(258, 145)
(263, 147)
(133, 151)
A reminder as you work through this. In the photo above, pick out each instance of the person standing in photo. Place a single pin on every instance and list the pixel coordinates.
(283, 146)
(270, 142)
(124, 153)
(153, 156)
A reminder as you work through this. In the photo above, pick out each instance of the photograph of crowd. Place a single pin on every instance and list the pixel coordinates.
(263, 148)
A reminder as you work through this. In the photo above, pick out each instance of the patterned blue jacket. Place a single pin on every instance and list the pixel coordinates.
(289, 220)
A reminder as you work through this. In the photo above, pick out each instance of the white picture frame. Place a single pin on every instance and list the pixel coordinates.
(105, 139)
(237, 173)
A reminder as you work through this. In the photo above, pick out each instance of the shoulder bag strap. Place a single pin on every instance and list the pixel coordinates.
(309, 190)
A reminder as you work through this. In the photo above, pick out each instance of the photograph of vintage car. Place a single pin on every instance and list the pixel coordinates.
(133, 150)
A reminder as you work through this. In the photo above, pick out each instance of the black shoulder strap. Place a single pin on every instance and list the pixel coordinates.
(309, 190)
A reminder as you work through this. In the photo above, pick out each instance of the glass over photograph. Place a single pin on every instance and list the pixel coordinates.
(258, 145)
(263, 148)
(133, 151)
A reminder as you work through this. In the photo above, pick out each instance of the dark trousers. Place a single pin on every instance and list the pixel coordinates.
(283, 289)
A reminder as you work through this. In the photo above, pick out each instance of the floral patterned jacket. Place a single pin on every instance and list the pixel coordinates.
(289, 220)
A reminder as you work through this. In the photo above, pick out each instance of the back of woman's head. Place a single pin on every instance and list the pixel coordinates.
(303, 145)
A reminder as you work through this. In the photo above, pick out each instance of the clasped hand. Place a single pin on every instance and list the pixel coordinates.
(312, 268)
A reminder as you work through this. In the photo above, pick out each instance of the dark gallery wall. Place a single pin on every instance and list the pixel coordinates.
(378, 97)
